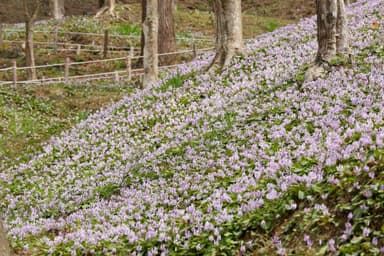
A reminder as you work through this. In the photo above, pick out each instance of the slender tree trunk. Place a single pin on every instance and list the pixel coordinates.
(1, 34)
(140, 61)
(167, 36)
(4, 245)
(31, 11)
(57, 9)
(150, 29)
(342, 44)
(29, 53)
(229, 31)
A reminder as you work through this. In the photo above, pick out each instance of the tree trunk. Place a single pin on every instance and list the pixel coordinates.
(150, 29)
(342, 44)
(167, 36)
(326, 29)
(57, 9)
(109, 6)
(31, 11)
(29, 53)
(140, 61)
(229, 33)
(4, 245)
(1, 34)
(332, 36)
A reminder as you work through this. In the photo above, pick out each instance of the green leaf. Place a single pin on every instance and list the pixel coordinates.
(301, 195)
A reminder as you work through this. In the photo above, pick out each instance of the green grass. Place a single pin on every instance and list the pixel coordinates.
(30, 115)
(126, 29)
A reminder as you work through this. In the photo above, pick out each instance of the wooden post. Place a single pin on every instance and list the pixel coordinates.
(66, 70)
(194, 51)
(129, 64)
(106, 42)
(117, 77)
(78, 50)
(14, 72)
(55, 39)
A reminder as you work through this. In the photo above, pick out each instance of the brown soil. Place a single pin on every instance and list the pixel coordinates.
(288, 9)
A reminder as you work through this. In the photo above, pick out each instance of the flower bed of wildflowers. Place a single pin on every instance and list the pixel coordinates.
(214, 164)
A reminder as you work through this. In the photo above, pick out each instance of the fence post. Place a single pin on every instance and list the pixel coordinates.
(14, 72)
(106, 42)
(78, 50)
(117, 77)
(66, 70)
(55, 38)
(1, 34)
(194, 51)
(129, 64)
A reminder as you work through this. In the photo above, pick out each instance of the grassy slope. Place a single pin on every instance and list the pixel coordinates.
(29, 116)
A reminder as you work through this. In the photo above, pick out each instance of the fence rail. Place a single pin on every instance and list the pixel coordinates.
(116, 75)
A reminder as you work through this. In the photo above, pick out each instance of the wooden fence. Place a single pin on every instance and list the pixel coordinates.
(66, 76)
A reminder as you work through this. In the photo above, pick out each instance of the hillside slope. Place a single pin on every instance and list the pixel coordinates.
(250, 161)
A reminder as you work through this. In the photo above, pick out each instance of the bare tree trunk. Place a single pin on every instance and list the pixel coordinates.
(229, 31)
(57, 9)
(167, 35)
(1, 34)
(4, 245)
(150, 29)
(109, 6)
(332, 36)
(29, 53)
(140, 61)
(31, 11)
(326, 29)
(342, 44)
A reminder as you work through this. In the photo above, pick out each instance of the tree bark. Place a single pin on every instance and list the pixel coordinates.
(167, 35)
(342, 44)
(332, 36)
(109, 6)
(150, 29)
(1, 34)
(31, 11)
(229, 33)
(4, 245)
(139, 62)
(29, 53)
(326, 29)
(57, 9)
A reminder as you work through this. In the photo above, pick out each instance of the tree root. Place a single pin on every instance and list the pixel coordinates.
(104, 10)
(316, 71)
